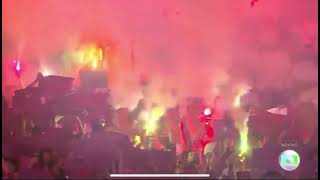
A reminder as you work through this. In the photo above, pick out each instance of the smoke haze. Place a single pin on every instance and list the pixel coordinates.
(184, 48)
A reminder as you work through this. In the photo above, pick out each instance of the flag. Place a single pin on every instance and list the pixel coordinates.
(183, 136)
(279, 110)
(268, 124)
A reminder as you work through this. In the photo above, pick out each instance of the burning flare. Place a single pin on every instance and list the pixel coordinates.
(18, 66)
(151, 118)
(237, 99)
(241, 124)
(244, 146)
(137, 140)
(89, 55)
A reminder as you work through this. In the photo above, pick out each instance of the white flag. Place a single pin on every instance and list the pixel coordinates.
(279, 110)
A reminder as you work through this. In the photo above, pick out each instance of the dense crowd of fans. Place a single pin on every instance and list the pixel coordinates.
(75, 148)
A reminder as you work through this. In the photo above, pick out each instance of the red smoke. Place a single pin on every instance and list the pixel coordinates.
(197, 48)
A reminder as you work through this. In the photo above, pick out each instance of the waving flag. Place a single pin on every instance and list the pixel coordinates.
(279, 111)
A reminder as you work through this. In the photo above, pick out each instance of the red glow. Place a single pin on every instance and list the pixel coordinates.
(17, 68)
(207, 111)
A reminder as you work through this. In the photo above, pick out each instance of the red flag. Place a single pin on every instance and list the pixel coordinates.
(184, 141)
